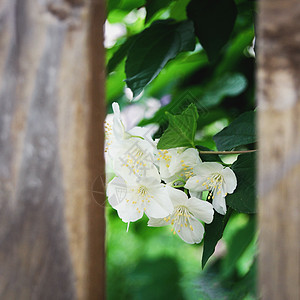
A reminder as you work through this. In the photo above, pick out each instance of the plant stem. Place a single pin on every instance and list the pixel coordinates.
(226, 152)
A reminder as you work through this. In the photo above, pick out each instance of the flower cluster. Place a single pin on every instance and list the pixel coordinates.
(166, 185)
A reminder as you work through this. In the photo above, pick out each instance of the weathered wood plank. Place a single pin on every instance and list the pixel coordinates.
(278, 94)
(51, 141)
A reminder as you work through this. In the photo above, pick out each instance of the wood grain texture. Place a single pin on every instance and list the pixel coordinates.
(278, 94)
(51, 149)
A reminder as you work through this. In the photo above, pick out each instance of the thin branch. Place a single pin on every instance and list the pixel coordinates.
(226, 152)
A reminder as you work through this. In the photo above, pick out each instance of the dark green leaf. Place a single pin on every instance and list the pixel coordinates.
(235, 51)
(120, 54)
(212, 115)
(174, 107)
(153, 6)
(112, 4)
(181, 130)
(243, 198)
(182, 67)
(237, 246)
(213, 233)
(214, 21)
(240, 132)
(204, 97)
(129, 5)
(153, 48)
(226, 85)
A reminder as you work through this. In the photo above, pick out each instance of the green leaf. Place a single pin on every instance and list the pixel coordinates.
(120, 54)
(181, 130)
(238, 245)
(213, 233)
(213, 21)
(235, 52)
(178, 10)
(153, 6)
(178, 100)
(129, 5)
(116, 16)
(183, 66)
(226, 85)
(240, 132)
(112, 4)
(204, 97)
(243, 198)
(153, 48)
(115, 84)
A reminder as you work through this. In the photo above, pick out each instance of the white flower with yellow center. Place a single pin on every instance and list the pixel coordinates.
(177, 163)
(163, 161)
(184, 218)
(213, 177)
(116, 134)
(132, 149)
(135, 157)
(133, 197)
(114, 129)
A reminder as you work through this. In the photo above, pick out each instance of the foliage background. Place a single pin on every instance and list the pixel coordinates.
(150, 263)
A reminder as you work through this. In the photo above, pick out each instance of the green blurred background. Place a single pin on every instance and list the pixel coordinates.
(152, 263)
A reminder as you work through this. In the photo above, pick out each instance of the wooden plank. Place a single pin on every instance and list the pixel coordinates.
(96, 220)
(51, 141)
(278, 94)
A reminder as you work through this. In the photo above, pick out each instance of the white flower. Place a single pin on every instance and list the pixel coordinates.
(185, 215)
(116, 134)
(134, 157)
(134, 196)
(133, 149)
(119, 129)
(213, 177)
(118, 126)
(177, 163)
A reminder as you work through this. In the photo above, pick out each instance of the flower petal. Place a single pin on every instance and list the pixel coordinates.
(118, 126)
(187, 158)
(202, 210)
(154, 222)
(154, 209)
(207, 168)
(160, 205)
(129, 212)
(195, 194)
(164, 172)
(116, 109)
(191, 157)
(144, 132)
(177, 197)
(230, 180)
(116, 191)
(195, 183)
(219, 203)
(193, 234)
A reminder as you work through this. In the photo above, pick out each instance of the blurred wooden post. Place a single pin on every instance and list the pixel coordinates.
(51, 149)
(278, 94)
